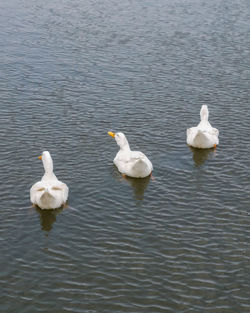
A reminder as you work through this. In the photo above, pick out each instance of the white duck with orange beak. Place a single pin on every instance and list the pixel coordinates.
(49, 193)
(203, 136)
(130, 163)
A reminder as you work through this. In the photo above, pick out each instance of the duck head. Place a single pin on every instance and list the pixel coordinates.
(47, 162)
(121, 140)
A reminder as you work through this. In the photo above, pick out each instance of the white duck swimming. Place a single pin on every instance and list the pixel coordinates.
(130, 163)
(204, 135)
(49, 193)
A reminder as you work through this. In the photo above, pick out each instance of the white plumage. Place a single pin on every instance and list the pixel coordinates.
(204, 135)
(130, 163)
(49, 193)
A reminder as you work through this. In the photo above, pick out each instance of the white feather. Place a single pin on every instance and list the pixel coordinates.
(49, 193)
(131, 163)
(203, 136)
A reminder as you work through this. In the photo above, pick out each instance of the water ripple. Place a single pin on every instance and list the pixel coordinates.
(73, 71)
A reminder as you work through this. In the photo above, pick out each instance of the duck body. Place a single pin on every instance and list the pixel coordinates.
(49, 192)
(203, 136)
(130, 163)
(133, 164)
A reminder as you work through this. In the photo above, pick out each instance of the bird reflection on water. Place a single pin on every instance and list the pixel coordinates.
(48, 217)
(201, 155)
(139, 185)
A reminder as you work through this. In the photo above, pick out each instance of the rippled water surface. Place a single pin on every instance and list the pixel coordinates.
(72, 70)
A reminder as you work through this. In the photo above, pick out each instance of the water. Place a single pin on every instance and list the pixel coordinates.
(70, 72)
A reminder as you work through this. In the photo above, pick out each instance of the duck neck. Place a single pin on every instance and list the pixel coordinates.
(125, 147)
(204, 113)
(48, 168)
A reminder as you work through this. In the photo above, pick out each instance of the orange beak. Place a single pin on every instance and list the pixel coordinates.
(40, 157)
(111, 134)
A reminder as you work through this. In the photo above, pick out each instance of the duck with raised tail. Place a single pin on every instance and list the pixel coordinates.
(203, 136)
(130, 163)
(49, 193)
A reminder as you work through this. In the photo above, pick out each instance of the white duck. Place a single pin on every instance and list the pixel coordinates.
(130, 163)
(49, 193)
(204, 135)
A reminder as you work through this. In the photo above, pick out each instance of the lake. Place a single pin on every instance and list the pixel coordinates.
(73, 70)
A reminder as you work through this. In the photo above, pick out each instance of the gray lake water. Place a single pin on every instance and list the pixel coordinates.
(72, 70)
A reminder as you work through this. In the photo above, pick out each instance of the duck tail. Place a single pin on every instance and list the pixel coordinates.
(47, 193)
(141, 168)
(200, 139)
(204, 113)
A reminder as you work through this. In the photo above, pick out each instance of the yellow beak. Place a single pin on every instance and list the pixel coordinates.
(111, 134)
(40, 157)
